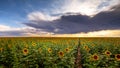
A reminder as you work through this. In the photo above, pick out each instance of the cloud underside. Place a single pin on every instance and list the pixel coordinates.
(75, 23)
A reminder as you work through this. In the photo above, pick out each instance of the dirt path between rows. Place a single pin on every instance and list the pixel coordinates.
(78, 57)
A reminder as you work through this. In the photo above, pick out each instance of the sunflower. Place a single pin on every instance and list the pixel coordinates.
(108, 53)
(85, 47)
(1, 49)
(40, 50)
(94, 57)
(25, 51)
(49, 50)
(61, 54)
(9, 46)
(93, 45)
(33, 44)
(67, 50)
(117, 57)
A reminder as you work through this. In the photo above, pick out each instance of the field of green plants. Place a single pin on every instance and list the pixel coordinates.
(40, 52)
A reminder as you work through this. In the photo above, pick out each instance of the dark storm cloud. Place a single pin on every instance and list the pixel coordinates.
(81, 23)
(66, 24)
(108, 19)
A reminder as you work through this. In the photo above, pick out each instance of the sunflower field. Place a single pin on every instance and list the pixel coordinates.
(100, 52)
(40, 52)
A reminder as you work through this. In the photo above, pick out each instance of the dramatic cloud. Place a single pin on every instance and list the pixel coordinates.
(70, 23)
(23, 31)
(28, 31)
(68, 18)
(85, 7)
(108, 19)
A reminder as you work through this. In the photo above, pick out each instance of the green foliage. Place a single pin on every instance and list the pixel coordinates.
(105, 48)
(37, 53)
(59, 52)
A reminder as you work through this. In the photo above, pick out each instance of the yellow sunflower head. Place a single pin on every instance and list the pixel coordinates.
(94, 57)
(93, 45)
(85, 47)
(9, 46)
(49, 50)
(1, 49)
(117, 57)
(25, 51)
(107, 53)
(61, 54)
(67, 50)
(40, 50)
(33, 44)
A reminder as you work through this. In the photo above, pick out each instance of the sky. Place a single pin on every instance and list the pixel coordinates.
(60, 18)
